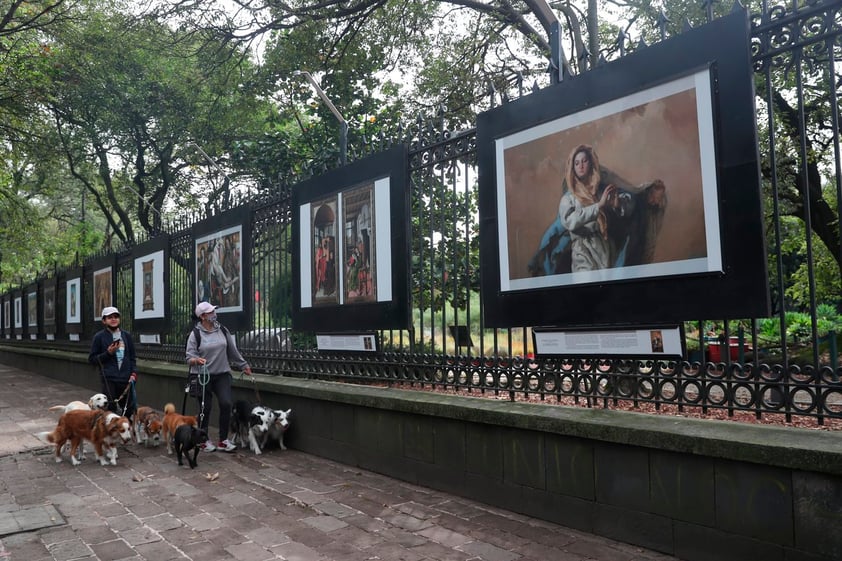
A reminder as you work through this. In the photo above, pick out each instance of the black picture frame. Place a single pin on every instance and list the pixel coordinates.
(74, 300)
(331, 207)
(18, 321)
(229, 232)
(712, 60)
(49, 312)
(101, 276)
(32, 318)
(151, 300)
(7, 315)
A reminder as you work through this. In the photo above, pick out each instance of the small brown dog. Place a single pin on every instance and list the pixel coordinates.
(172, 421)
(147, 426)
(101, 428)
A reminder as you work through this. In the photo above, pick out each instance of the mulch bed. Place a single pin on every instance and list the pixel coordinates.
(689, 411)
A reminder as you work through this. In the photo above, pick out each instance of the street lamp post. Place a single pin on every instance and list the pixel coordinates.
(549, 21)
(343, 124)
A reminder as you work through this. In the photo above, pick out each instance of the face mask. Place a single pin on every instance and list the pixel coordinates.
(212, 318)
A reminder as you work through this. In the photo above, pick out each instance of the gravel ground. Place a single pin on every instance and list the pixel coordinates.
(697, 412)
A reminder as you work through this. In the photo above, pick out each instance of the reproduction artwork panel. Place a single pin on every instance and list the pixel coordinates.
(7, 314)
(50, 303)
(74, 301)
(103, 286)
(351, 245)
(32, 309)
(592, 196)
(340, 264)
(608, 197)
(219, 269)
(359, 273)
(324, 224)
(149, 286)
(18, 312)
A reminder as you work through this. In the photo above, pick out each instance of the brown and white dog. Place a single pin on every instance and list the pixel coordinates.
(147, 426)
(97, 401)
(172, 421)
(103, 429)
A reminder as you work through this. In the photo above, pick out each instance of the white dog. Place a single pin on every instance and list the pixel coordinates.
(277, 428)
(97, 401)
(250, 424)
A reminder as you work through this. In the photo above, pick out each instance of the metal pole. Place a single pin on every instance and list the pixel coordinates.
(343, 124)
(343, 143)
(549, 21)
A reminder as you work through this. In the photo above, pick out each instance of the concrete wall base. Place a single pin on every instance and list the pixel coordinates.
(695, 489)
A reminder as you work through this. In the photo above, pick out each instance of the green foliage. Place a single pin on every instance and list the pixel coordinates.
(445, 267)
(824, 266)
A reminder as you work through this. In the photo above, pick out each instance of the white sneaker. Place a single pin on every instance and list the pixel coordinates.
(208, 446)
(227, 446)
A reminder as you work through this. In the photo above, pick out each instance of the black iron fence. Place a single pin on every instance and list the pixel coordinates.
(785, 365)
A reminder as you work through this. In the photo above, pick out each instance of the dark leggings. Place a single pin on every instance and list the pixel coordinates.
(114, 390)
(220, 386)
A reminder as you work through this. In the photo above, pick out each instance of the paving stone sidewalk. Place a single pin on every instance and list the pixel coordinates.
(281, 505)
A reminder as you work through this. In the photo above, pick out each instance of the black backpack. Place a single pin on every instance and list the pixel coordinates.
(197, 333)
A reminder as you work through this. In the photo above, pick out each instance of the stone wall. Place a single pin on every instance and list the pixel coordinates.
(695, 489)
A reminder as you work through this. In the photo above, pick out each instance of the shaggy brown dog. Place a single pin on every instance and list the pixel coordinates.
(147, 426)
(172, 421)
(97, 401)
(103, 429)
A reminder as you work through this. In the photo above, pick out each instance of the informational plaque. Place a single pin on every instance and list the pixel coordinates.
(659, 341)
(354, 342)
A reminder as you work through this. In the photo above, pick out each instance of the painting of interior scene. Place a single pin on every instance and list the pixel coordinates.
(102, 291)
(359, 285)
(218, 269)
(32, 309)
(325, 275)
(49, 304)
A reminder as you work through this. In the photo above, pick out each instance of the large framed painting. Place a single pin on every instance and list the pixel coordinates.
(609, 197)
(151, 300)
(103, 283)
(73, 301)
(48, 289)
(223, 266)
(18, 312)
(32, 309)
(350, 236)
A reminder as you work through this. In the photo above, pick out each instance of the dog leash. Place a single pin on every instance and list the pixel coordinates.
(108, 389)
(256, 393)
(204, 380)
(105, 383)
(124, 394)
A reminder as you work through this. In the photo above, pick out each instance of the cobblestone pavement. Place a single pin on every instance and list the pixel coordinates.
(280, 505)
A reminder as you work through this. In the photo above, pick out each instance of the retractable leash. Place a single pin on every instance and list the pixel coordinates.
(204, 380)
(132, 397)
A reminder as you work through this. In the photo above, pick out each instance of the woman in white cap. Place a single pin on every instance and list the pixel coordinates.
(112, 349)
(211, 348)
